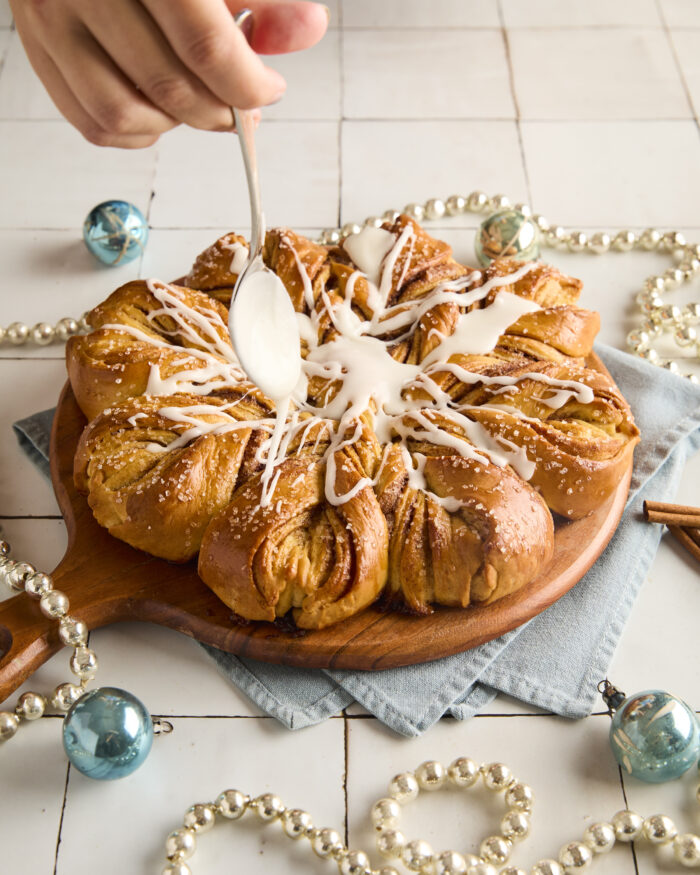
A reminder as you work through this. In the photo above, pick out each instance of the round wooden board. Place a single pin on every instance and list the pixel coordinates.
(108, 581)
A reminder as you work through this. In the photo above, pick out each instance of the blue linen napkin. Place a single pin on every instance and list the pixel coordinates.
(556, 659)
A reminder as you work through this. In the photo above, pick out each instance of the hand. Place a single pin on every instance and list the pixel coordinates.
(124, 71)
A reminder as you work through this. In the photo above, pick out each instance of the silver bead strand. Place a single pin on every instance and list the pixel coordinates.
(43, 333)
(54, 604)
(679, 323)
(417, 855)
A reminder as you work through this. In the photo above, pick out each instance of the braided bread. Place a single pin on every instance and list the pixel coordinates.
(444, 415)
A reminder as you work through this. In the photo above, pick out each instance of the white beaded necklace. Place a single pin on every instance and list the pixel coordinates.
(417, 855)
(657, 315)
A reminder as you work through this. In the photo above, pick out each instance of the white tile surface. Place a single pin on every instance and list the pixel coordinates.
(413, 74)
(30, 822)
(69, 176)
(53, 276)
(593, 13)
(610, 74)
(22, 95)
(681, 13)
(168, 670)
(194, 764)
(568, 765)
(301, 191)
(687, 44)
(5, 13)
(28, 386)
(388, 164)
(416, 13)
(313, 81)
(614, 173)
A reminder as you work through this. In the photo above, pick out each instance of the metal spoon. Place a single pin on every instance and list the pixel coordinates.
(262, 322)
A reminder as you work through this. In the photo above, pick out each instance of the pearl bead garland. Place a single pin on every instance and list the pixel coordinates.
(417, 855)
(43, 333)
(21, 576)
(657, 315)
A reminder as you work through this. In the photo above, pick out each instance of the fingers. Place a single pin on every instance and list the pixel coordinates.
(102, 89)
(209, 43)
(124, 72)
(139, 49)
(280, 27)
(69, 106)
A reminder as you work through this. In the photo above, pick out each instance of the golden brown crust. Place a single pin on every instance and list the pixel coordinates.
(479, 533)
(154, 497)
(543, 284)
(133, 335)
(495, 543)
(284, 252)
(324, 563)
(212, 270)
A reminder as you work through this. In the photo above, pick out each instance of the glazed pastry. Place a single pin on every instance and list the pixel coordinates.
(444, 415)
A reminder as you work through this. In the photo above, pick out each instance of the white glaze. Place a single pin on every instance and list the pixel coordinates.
(368, 250)
(477, 331)
(240, 256)
(358, 363)
(264, 333)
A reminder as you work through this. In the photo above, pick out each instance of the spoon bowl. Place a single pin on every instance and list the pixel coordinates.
(262, 321)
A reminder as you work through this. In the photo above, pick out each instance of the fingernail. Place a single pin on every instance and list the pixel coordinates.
(278, 95)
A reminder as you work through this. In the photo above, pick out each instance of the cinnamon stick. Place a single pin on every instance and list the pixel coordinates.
(694, 534)
(672, 514)
(685, 540)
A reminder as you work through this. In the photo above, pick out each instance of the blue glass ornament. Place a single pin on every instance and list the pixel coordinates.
(507, 234)
(654, 736)
(107, 734)
(115, 232)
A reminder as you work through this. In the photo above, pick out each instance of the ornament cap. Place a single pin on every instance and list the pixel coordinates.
(612, 697)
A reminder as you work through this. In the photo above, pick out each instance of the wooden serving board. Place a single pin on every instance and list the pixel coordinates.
(107, 582)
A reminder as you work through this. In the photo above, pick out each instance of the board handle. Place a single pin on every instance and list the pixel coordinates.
(27, 640)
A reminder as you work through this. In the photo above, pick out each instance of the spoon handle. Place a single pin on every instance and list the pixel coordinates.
(245, 126)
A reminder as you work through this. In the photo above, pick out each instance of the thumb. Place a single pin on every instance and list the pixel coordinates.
(281, 26)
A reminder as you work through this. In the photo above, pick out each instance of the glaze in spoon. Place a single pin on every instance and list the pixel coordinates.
(262, 322)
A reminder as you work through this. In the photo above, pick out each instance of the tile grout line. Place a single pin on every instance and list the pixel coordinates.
(495, 27)
(60, 822)
(514, 95)
(384, 119)
(621, 779)
(677, 60)
(28, 517)
(633, 850)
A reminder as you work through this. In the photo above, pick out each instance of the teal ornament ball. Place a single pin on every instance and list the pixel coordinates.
(655, 736)
(107, 734)
(115, 232)
(507, 234)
